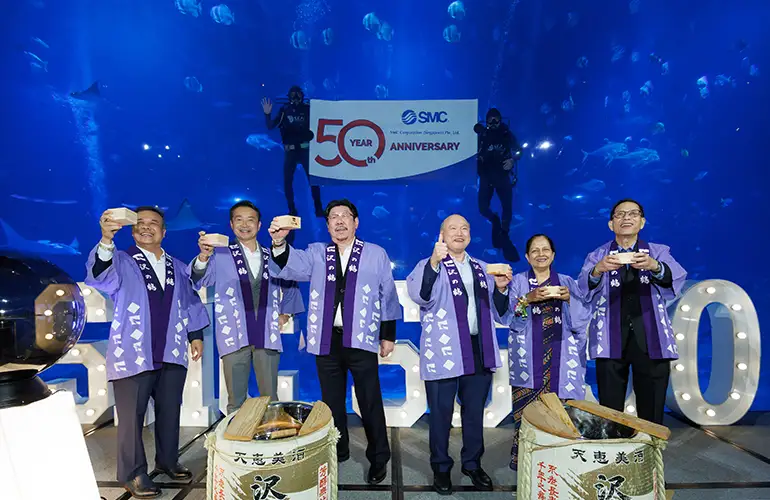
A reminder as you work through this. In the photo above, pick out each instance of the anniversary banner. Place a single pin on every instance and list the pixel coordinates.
(382, 140)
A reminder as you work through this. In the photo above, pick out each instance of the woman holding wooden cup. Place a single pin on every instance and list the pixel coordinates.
(547, 338)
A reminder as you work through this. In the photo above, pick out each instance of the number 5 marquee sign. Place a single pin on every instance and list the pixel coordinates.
(732, 387)
(323, 135)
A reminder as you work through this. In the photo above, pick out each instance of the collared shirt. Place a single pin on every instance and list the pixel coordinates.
(253, 258)
(466, 274)
(158, 264)
(658, 276)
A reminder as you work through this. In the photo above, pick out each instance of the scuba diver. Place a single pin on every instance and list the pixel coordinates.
(498, 154)
(293, 120)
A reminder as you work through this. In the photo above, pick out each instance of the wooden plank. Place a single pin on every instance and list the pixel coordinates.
(498, 269)
(540, 415)
(319, 416)
(247, 419)
(289, 222)
(216, 240)
(653, 429)
(552, 401)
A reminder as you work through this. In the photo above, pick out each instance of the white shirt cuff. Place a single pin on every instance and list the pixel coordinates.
(105, 252)
(200, 266)
(279, 251)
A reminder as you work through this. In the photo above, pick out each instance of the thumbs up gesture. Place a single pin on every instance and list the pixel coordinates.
(440, 251)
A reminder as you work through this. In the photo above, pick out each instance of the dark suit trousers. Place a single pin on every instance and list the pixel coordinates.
(650, 381)
(333, 376)
(473, 391)
(132, 394)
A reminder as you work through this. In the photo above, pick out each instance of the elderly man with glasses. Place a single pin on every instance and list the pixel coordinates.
(629, 283)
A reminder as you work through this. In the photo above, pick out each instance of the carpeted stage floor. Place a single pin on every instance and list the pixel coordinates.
(707, 463)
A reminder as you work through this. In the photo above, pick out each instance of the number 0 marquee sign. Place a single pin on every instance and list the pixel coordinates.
(732, 387)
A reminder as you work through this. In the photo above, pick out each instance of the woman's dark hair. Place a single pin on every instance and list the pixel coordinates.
(341, 203)
(532, 239)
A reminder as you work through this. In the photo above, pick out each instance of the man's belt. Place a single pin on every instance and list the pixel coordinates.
(291, 147)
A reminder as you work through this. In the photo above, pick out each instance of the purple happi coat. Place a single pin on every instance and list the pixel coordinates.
(375, 299)
(605, 299)
(150, 324)
(525, 339)
(445, 343)
(237, 323)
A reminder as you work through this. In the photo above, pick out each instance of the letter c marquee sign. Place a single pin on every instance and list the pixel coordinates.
(732, 388)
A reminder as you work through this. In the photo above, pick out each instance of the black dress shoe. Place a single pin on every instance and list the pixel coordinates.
(343, 457)
(142, 487)
(178, 473)
(442, 482)
(479, 478)
(377, 473)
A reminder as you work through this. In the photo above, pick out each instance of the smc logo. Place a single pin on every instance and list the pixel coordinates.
(323, 135)
(409, 117)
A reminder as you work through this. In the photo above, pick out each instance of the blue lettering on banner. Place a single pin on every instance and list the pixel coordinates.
(410, 117)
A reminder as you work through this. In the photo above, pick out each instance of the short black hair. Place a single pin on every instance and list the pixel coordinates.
(494, 112)
(341, 203)
(626, 200)
(248, 204)
(150, 208)
(532, 239)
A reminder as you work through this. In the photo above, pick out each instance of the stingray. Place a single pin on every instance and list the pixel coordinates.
(185, 219)
(92, 93)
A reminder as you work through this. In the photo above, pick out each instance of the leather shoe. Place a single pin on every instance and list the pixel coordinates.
(479, 478)
(178, 473)
(142, 487)
(377, 473)
(442, 482)
(342, 457)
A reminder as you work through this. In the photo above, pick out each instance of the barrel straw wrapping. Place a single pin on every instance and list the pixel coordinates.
(301, 468)
(551, 467)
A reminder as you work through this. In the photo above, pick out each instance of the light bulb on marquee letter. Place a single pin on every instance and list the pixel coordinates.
(736, 354)
(406, 355)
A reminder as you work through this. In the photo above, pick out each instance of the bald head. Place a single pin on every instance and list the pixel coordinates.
(454, 219)
(456, 232)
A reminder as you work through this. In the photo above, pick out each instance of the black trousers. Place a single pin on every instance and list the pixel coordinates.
(290, 160)
(500, 184)
(473, 391)
(132, 394)
(650, 381)
(333, 376)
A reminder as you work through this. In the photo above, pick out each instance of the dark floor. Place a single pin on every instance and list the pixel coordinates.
(707, 463)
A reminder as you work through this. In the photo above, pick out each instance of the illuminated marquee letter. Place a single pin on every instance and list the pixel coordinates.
(100, 398)
(501, 402)
(407, 356)
(736, 354)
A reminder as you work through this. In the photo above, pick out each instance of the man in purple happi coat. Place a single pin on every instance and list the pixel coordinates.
(459, 304)
(156, 314)
(630, 326)
(248, 305)
(352, 313)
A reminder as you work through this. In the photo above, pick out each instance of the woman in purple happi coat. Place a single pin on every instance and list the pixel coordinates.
(546, 344)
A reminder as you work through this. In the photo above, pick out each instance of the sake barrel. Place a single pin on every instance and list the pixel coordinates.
(299, 468)
(609, 461)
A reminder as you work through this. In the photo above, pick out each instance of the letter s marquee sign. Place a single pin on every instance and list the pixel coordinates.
(322, 136)
(732, 388)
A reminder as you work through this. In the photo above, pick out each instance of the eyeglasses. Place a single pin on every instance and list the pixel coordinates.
(340, 216)
(621, 214)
